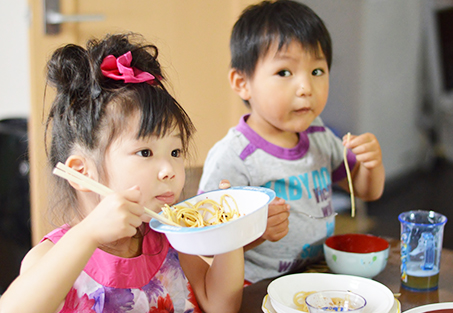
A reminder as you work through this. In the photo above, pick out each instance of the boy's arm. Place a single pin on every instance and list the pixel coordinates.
(368, 175)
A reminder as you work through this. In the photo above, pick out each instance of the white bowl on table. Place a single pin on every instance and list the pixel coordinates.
(252, 203)
(281, 291)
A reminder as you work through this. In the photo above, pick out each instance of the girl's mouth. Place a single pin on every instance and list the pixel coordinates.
(167, 197)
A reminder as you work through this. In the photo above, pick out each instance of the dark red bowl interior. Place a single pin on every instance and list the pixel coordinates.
(357, 243)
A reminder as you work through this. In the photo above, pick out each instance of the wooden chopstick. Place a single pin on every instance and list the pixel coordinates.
(72, 175)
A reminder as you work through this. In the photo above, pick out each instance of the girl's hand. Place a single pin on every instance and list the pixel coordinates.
(117, 216)
(366, 148)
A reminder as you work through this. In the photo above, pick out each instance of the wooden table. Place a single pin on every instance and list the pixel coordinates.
(254, 294)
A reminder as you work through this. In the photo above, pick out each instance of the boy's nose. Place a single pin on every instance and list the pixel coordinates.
(304, 88)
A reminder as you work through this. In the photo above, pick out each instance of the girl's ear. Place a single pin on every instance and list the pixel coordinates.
(79, 164)
(239, 84)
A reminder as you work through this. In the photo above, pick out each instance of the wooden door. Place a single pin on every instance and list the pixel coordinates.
(192, 37)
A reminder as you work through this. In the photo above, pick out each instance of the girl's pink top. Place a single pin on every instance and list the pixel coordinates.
(151, 282)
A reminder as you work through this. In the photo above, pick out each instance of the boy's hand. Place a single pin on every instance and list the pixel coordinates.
(224, 184)
(277, 220)
(366, 148)
(368, 175)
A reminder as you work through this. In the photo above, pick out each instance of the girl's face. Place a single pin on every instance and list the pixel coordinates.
(288, 90)
(154, 164)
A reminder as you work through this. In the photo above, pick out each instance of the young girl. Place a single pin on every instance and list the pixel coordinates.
(114, 121)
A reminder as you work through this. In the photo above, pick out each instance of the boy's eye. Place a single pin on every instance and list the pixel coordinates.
(176, 153)
(318, 72)
(146, 153)
(284, 73)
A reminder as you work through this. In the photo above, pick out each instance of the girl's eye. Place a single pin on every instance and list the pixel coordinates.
(146, 153)
(176, 153)
(284, 73)
(318, 72)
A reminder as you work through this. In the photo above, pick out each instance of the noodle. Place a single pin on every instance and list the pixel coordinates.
(203, 213)
(348, 173)
(299, 300)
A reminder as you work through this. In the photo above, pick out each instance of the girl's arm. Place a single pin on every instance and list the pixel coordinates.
(368, 175)
(218, 288)
(49, 271)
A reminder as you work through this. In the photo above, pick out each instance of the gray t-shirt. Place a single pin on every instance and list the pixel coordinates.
(302, 175)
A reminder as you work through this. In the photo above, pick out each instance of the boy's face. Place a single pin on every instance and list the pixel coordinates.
(288, 90)
(154, 164)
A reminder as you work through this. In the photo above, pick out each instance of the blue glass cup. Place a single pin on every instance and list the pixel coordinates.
(421, 246)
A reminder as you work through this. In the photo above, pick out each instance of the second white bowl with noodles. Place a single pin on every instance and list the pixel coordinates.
(284, 291)
(252, 204)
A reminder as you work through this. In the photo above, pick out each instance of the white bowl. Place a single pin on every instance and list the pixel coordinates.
(356, 254)
(281, 291)
(435, 307)
(210, 240)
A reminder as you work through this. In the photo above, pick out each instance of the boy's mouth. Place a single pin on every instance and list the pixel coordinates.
(303, 110)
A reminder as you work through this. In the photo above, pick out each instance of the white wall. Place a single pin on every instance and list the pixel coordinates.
(375, 76)
(14, 59)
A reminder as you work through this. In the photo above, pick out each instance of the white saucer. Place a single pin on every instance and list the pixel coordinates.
(430, 307)
(267, 306)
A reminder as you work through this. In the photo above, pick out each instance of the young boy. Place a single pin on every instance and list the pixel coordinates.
(281, 56)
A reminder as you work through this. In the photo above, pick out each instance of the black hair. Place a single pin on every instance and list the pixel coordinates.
(282, 21)
(90, 110)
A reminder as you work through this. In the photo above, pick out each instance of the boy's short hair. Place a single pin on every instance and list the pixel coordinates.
(261, 25)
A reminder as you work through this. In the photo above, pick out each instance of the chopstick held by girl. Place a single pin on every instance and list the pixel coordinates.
(114, 121)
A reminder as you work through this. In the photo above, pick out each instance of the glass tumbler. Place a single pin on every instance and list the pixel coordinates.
(421, 245)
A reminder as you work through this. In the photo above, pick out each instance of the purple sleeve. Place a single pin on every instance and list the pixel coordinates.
(340, 172)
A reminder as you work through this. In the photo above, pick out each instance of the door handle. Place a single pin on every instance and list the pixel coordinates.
(53, 18)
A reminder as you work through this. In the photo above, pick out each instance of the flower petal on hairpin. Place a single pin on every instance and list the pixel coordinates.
(120, 69)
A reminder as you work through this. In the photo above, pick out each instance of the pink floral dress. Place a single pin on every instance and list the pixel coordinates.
(151, 282)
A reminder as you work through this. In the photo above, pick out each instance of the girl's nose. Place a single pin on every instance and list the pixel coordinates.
(166, 172)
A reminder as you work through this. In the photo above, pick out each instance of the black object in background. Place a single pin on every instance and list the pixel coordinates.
(15, 230)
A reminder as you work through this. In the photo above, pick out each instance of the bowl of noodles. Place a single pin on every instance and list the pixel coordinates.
(289, 293)
(217, 221)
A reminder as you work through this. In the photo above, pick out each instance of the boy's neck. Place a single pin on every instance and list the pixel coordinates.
(272, 134)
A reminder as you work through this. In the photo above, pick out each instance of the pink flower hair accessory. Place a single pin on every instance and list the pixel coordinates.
(120, 69)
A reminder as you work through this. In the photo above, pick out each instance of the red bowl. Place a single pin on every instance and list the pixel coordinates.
(357, 243)
(356, 254)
